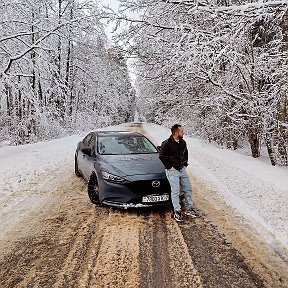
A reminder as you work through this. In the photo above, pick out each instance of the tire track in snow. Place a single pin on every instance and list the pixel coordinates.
(164, 256)
(255, 252)
(81, 255)
(38, 254)
(153, 257)
(117, 262)
(22, 209)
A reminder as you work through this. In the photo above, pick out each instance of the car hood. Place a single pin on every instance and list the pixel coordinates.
(129, 165)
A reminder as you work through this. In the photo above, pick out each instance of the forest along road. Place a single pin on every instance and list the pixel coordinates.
(65, 241)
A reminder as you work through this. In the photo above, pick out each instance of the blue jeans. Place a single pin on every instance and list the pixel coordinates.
(177, 178)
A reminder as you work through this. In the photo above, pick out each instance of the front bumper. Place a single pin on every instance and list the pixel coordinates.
(131, 195)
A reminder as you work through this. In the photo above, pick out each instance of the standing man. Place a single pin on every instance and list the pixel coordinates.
(174, 156)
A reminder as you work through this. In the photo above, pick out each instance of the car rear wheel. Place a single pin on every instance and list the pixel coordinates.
(77, 172)
(93, 190)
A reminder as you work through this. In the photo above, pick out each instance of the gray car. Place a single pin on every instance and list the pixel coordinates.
(122, 170)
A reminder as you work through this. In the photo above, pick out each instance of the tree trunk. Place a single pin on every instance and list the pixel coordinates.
(253, 137)
(33, 54)
(285, 31)
(59, 37)
(9, 100)
(269, 146)
(40, 94)
(68, 77)
(19, 104)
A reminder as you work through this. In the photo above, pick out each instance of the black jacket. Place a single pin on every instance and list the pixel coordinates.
(173, 154)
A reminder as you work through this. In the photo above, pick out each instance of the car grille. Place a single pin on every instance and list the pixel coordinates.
(144, 187)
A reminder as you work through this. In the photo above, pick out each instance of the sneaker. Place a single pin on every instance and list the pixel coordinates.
(178, 216)
(191, 212)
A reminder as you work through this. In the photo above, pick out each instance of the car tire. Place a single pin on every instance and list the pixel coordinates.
(93, 189)
(77, 171)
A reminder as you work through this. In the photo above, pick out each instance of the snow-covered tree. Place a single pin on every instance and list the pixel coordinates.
(219, 67)
(56, 71)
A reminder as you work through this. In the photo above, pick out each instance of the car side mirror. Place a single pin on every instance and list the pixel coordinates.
(87, 151)
(158, 148)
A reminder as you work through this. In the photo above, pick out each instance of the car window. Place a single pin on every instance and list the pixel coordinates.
(92, 144)
(124, 144)
(87, 140)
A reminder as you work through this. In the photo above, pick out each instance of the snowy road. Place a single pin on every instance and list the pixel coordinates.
(52, 236)
(73, 244)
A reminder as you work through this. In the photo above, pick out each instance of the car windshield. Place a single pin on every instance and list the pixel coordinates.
(124, 144)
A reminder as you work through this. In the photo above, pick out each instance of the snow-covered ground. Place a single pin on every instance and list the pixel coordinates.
(256, 190)
(20, 164)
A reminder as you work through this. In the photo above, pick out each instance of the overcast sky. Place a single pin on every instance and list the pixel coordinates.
(112, 3)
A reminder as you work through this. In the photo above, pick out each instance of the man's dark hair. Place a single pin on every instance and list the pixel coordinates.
(175, 127)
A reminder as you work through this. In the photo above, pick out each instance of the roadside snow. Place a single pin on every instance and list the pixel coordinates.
(20, 164)
(255, 189)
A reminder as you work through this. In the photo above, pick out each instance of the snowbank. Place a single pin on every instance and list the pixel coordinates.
(20, 164)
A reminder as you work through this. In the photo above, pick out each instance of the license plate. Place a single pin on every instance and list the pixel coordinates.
(155, 198)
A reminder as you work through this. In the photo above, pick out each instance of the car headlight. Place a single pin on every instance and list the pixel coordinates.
(113, 178)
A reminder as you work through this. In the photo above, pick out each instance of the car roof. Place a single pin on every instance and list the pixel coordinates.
(105, 133)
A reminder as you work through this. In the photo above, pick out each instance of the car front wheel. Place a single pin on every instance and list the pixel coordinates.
(93, 190)
(77, 172)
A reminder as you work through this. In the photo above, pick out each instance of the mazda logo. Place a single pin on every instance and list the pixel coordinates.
(155, 184)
